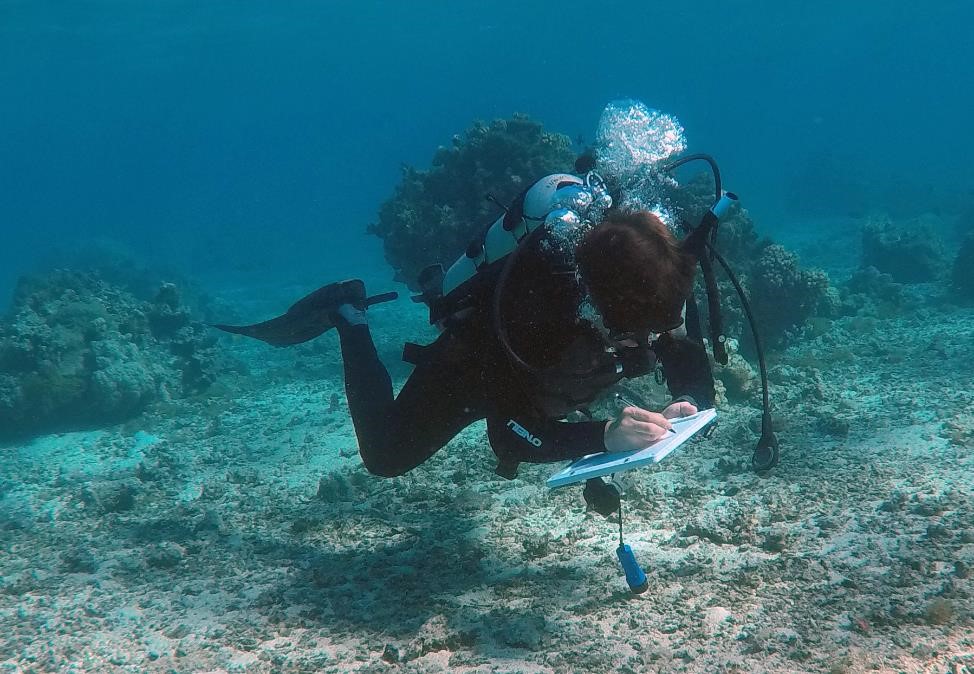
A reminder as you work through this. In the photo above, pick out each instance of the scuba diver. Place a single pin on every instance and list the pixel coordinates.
(583, 297)
(557, 301)
(516, 351)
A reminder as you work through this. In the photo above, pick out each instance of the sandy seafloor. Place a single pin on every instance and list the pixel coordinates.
(240, 533)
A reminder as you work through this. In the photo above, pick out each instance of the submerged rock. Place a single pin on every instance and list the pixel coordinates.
(785, 295)
(110, 496)
(909, 252)
(79, 560)
(164, 555)
(76, 351)
(721, 521)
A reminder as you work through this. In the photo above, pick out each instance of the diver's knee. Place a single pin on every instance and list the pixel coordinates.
(381, 468)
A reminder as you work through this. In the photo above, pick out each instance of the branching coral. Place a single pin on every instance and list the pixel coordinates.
(434, 214)
(784, 295)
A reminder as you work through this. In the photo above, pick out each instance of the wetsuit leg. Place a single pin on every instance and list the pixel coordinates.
(443, 395)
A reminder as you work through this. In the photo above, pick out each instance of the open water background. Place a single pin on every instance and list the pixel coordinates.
(241, 142)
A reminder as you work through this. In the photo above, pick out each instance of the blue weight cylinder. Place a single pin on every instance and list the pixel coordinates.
(634, 574)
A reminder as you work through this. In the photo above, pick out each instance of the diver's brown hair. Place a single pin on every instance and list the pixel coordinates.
(636, 272)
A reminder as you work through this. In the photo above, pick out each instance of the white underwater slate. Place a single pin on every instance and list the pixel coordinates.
(607, 463)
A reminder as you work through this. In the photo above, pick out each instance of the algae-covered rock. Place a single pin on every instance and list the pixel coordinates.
(959, 430)
(910, 252)
(434, 214)
(77, 351)
(739, 379)
(870, 292)
(123, 381)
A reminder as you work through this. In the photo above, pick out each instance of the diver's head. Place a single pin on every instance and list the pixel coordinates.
(636, 272)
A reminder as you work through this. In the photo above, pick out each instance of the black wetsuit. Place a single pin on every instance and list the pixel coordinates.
(466, 376)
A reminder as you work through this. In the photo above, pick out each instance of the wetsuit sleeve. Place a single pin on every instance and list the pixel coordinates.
(532, 439)
(687, 369)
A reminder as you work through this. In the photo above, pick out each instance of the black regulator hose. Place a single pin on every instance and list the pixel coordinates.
(716, 322)
(709, 222)
(767, 452)
(699, 157)
(495, 310)
(718, 186)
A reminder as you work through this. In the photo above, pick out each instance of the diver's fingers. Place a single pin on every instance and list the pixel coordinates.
(639, 414)
(647, 431)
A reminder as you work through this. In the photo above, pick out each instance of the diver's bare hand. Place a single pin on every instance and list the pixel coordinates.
(679, 409)
(634, 428)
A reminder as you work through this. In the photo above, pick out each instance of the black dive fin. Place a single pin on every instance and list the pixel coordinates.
(310, 316)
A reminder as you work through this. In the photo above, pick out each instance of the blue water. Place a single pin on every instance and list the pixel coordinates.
(237, 141)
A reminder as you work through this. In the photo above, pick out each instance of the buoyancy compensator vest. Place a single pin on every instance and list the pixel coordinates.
(549, 218)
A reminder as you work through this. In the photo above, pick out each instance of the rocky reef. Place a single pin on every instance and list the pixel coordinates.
(787, 295)
(784, 296)
(911, 252)
(435, 213)
(963, 273)
(77, 351)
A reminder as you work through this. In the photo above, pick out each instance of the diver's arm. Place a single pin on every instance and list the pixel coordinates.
(687, 369)
(530, 439)
(518, 439)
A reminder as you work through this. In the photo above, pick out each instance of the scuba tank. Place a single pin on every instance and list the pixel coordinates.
(566, 205)
(529, 211)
